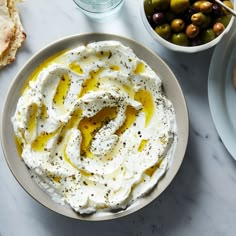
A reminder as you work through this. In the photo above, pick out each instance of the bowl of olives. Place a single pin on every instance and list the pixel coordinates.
(187, 25)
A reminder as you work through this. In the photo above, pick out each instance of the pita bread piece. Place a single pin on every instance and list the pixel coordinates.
(6, 27)
(9, 48)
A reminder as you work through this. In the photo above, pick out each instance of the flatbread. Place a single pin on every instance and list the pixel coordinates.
(6, 27)
(15, 35)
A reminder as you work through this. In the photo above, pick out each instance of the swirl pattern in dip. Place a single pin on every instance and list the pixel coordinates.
(95, 128)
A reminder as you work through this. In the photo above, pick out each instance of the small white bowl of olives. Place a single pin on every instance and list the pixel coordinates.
(186, 25)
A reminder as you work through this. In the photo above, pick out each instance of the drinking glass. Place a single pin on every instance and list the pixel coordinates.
(99, 9)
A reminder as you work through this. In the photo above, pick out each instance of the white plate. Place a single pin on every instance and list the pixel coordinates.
(171, 88)
(221, 93)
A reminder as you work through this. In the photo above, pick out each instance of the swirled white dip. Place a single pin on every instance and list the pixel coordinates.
(95, 128)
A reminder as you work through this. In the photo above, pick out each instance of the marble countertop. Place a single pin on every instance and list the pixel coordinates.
(201, 200)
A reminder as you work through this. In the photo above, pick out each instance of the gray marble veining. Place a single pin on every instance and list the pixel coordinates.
(199, 201)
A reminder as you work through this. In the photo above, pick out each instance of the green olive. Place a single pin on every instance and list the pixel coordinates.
(179, 6)
(177, 25)
(218, 28)
(206, 7)
(207, 35)
(196, 5)
(180, 39)
(207, 22)
(192, 31)
(228, 4)
(148, 8)
(160, 5)
(201, 20)
(164, 31)
(224, 20)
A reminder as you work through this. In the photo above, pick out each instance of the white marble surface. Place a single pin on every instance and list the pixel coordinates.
(202, 198)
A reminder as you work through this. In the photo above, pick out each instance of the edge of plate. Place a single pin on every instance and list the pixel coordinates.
(221, 50)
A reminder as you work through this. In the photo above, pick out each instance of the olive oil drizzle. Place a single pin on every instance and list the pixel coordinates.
(89, 127)
(40, 143)
(62, 90)
(40, 67)
(140, 68)
(146, 99)
(131, 115)
(150, 171)
(32, 118)
(142, 145)
(91, 83)
(75, 67)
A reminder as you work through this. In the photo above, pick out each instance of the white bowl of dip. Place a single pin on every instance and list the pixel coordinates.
(93, 147)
